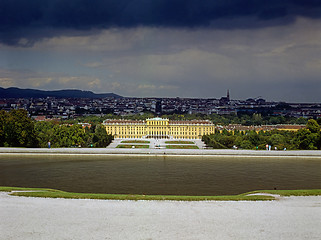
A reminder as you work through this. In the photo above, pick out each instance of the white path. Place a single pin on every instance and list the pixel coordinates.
(293, 218)
(316, 154)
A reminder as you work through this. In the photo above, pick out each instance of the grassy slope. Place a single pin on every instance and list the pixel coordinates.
(51, 193)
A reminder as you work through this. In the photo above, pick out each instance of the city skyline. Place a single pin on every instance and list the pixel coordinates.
(188, 49)
(27, 93)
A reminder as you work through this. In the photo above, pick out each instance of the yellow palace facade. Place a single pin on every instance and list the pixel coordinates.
(158, 128)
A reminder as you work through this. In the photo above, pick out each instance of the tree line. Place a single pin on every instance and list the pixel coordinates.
(308, 138)
(17, 129)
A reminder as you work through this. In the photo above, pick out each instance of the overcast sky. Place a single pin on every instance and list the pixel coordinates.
(164, 48)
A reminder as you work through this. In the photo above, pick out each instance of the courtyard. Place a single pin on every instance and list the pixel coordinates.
(158, 143)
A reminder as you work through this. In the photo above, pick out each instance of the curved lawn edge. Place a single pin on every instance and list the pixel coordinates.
(53, 193)
(288, 193)
(12, 189)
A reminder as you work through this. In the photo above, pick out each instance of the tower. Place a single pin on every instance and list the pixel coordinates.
(228, 95)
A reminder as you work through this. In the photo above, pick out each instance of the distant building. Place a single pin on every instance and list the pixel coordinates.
(40, 118)
(85, 125)
(159, 128)
(225, 100)
(242, 128)
(158, 107)
(285, 127)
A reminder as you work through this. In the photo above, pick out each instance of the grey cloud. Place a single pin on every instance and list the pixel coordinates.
(24, 22)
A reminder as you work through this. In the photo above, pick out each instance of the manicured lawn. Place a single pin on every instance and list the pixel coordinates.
(132, 146)
(52, 193)
(179, 142)
(181, 147)
(135, 141)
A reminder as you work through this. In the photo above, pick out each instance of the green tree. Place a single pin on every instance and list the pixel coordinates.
(277, 120)
(309, 138)
(3, 122)
(101, 138)
(313, 126)
(253, 137)
(227, 141)
(257, 119)
(306, 140)
(17, 129)
(276, 139)
(68, 136)
(45, 132)
(246, 144)
(301, 120)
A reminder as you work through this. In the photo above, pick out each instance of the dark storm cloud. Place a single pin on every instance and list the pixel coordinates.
(23, 22)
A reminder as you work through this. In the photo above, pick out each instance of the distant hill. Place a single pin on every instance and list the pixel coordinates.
(14, 92)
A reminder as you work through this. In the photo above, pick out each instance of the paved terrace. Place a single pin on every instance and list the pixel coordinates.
(157, 143)
(153, 151)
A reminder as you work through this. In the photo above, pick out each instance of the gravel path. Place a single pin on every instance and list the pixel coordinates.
(38, 218)
(192, 152)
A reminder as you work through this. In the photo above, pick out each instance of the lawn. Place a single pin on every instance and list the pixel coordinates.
(179, 142)
(132, 146)
(135, 141)
(181, 147)
(52, 193)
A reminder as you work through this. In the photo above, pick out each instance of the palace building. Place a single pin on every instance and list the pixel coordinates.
(159, 128)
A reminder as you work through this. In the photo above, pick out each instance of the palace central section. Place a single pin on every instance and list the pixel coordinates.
(159, 128)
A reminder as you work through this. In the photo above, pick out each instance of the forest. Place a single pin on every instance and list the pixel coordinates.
(308, 138)
(17, 129)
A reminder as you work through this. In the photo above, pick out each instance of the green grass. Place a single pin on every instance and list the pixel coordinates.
(131, 146)
(135, 141)
(181, 147)
(179, 142)
(52, 193)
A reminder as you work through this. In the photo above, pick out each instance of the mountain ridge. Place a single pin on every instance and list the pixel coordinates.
(14, 92)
